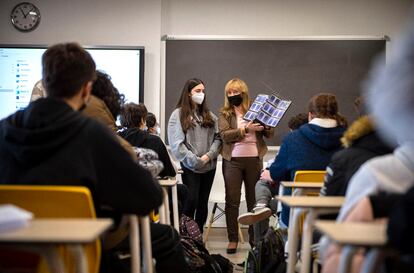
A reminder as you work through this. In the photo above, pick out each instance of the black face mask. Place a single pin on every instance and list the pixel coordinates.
(235, 100)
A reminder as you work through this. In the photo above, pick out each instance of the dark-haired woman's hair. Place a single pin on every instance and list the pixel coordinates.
(151, 120)
(106, 91)
(324, 105)
(188, 108)
(133, 114)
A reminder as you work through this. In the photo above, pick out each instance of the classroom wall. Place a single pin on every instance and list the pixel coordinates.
(143, 22)
(96, 22)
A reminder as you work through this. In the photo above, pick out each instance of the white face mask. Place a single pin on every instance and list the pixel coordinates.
(158, 130)
(198, 97)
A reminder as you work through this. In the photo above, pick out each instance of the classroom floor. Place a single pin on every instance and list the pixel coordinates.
(217, 244)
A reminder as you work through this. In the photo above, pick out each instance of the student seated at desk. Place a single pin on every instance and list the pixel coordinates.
(133, 119)
(51, 143)
(391, 87)
(308, 148)
(152, 125)
(361, 143)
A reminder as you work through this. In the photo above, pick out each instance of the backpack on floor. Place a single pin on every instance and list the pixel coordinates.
(189, 228)
(199, 259)
(225, 265)
(268, 256)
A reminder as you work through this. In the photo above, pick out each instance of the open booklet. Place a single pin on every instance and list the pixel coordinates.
(267, 110)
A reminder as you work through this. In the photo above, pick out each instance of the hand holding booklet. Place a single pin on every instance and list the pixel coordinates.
(12, 217)
(267, 110)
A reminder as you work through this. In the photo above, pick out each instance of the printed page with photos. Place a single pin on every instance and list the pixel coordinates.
(267, 110)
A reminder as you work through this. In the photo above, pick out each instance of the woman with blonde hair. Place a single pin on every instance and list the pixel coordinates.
(242, 152)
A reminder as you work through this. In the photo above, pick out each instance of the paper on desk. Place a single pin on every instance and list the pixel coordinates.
(12, 217)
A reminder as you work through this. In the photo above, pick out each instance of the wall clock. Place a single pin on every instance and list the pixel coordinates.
(25, 16)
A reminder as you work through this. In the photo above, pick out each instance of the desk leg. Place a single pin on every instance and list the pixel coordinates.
(307, 241)
(53, 259)
(167, 207)
(135, 244)
(146, 242)
(80, 258)
(346, 258)
(293, 239)
(175, 208)
(162, 209)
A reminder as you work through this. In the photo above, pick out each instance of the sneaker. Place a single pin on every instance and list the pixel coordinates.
(257, 215)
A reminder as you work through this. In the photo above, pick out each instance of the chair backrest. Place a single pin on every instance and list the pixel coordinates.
(309, 176)
(56, 202)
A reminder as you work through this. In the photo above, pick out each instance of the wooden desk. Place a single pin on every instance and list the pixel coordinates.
(314, 205)
(352, 236)
(305, 185)
(358, 234)
(47, 234)
(165, 207)
(312, 201)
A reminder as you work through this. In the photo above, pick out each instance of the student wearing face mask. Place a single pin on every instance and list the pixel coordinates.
(243, 151)
(195, 142)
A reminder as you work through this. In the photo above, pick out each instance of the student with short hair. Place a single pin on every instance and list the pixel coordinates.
(296, 121)
(52, 143)
(133, 120)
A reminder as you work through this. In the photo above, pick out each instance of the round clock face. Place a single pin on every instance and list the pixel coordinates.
(25, 16)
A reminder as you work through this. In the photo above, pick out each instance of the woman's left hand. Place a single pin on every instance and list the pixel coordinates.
(205, 158)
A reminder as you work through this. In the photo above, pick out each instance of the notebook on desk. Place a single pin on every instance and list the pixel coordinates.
(13, 217)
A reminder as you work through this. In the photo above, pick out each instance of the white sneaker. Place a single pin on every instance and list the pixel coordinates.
(257, 215)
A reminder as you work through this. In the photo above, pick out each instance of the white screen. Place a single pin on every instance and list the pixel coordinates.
(20, 69)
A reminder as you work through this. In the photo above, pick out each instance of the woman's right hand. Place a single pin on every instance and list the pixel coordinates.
(253, 127)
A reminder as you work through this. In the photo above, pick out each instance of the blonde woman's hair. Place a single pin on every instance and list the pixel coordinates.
(239, 85)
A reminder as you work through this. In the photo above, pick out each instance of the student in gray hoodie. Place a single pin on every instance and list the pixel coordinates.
(195, 142)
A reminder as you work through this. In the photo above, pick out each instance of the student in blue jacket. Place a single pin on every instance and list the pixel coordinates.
(308, 148)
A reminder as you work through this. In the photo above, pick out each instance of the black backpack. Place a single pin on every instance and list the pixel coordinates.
(268, 256)
(199, 259)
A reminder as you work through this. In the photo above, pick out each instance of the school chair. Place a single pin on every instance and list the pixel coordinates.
(72, 202)
(307, 176)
